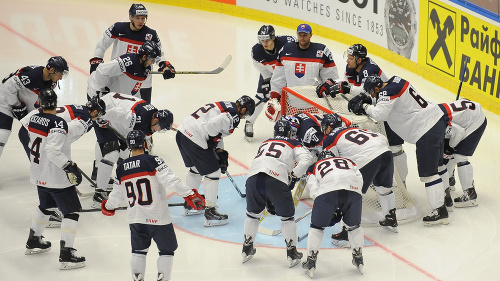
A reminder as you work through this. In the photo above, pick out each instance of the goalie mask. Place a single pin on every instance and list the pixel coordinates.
(294, 125)
(136, 139)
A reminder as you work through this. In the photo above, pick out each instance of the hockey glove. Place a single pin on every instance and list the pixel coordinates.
(195, 200)
(223, 156)
(213, 142)
(270, 207)
(105, 211)
(168, 69)
(273, 110)
(361, 98)
(266, 87)
(325, 88)
(293, 179)
(337, 216)
(359, 108)
(73, 173)
(20, 111)
(94, 63)
(275, 95)
(448, 150)
(102, 123)
(341, 87)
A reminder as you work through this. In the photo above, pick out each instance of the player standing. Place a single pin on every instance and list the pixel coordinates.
(199, 138)
(300, 63)
(19, 92)
(127, 38)
(335, 185)
(417, 121)
(55, 176)
(268, 179)
(264, 55)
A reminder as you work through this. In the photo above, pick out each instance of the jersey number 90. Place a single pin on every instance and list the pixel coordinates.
(140, 194)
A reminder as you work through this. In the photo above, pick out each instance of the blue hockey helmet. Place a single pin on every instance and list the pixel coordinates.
(138, 9)
(371, 82)
(136, 139)
(357, 51)
(165, 119)
(150, 49)
(59, 64)
(96, 103)
(266, 32)
(331, 119)
(248, 103)
(282, 128)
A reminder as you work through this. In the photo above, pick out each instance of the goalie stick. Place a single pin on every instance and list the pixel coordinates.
(215, 71)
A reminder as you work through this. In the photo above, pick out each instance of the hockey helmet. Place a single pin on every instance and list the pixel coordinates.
(357, 51)
(331, 119)
(165, 119)
(248, 103)
(294, 125)
(325, 154)
(95, 103)
(266, 32)
(282, 128)
(47, 99)
(150, 49)
(136, 139)
(138, 9)
(371, 82)
(59, 64)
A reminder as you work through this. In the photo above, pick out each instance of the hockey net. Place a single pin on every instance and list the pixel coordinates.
(304, 99)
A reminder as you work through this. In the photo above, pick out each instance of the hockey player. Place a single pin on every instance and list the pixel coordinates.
(373, 158)
(264, 55)
(358, 67)
(335, 185)
(127, 38)
(468, 123)
(55, 176)
(123, 114)
(199, 138)
(300, 64)
(141, 181)
(417, 121)
(268, 178)
(19, 92)
(307, 129)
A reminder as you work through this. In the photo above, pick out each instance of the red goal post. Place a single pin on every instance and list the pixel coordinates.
(304, 99)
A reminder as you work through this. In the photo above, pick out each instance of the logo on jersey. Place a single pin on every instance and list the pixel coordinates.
(149, 37)
(319, 53)
(300, 70)
(132, 49)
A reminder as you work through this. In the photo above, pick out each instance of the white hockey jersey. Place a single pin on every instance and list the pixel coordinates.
(360, 146)
(408, 114)
(277, 157)
(298, 67)
(465, 116)
(141, 181)
(210, 123)
(50, 150)
(332, 174)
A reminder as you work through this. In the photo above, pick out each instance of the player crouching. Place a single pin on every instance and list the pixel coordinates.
(141, 180)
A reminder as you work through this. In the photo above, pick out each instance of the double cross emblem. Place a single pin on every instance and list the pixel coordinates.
(442, 33)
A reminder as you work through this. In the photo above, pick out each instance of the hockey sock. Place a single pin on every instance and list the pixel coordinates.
(465, 173)
(356, 236)
(68, 229)
(4, 136)
(445, 177)
(97, 152)
(105, 169)
(193, 178)
(434, 189)
(289, 229)
(251, 224)
(138, 263)
(387, 199)
(164, 264)
(314, 239)
(39, 221)
(450, 166)
(211, 188)
(400, 161)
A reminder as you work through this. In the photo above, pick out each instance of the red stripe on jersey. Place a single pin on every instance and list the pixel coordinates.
(220, 107)
(135, 77)
(136, 104)
(313, 118)
(332, 64)
(448, 111)
(269, 62)
(334, 143)
(137, 175)
(303, 60)
(41, 133)
(402, 91)
(70, 111)
(128, 40)
(284, 142)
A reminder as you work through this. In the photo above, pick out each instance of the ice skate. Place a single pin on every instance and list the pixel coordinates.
(161, 277)
(36, 245)
(390, 223)
(248, 250)
(188, 211)
(137, 277)
(437, 216)
(448, 201)
(341, 239)
(55, 219)
(292, 255)
(468, 199)
(68, 259)
(357, 259)
(214, 218)
(310, 264)
(248, 131)
(99, 196)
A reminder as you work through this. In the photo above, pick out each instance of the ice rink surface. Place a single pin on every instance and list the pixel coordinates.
(32, 31)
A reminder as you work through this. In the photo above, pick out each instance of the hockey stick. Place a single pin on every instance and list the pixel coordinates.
(462, 76)
(124, 208)
(303, 237)
(234, 184)
(215, 71)
(275, 232)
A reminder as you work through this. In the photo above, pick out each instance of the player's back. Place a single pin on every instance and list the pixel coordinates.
(147, 198)
(360, 146)
(309, 131)
(48, 145)
(465, 113)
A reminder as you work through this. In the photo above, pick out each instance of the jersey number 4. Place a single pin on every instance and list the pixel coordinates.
(141, 194)
(35, 150)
